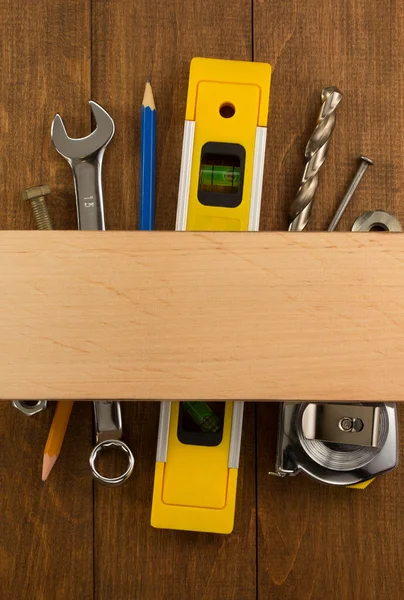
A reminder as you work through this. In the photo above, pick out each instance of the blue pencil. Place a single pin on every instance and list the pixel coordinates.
(147, 160)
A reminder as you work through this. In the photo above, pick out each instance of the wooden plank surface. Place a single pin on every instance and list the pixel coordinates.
(314, 541)
(314, 316)
(133, 41)
(46, 539)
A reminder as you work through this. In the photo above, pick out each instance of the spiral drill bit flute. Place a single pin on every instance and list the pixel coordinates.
(316, 152)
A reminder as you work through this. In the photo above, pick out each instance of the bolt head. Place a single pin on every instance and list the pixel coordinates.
(366, 159)
(346, 424)
(35, 192)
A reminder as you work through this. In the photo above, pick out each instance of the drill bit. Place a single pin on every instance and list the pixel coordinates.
(316, 152)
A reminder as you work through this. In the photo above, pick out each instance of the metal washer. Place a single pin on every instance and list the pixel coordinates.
(374, 220)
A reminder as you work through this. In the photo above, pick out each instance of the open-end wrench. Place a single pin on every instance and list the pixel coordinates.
(85, 158)
(85, 155)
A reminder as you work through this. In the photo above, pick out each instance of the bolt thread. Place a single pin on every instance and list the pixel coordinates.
(41, 214)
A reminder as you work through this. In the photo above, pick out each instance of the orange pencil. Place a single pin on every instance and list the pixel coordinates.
(56, 436)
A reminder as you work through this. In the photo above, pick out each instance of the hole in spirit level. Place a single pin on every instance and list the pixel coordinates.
(227, 110)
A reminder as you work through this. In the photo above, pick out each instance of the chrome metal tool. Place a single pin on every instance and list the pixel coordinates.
(85, 156)
(316, 153)
(108, 434)
(338, 444)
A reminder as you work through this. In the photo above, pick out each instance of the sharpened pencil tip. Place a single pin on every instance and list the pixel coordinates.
(42, 483)
(48, 463)
(148, 99)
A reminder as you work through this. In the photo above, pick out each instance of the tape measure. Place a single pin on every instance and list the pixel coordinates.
(220, 189)
(341, 444)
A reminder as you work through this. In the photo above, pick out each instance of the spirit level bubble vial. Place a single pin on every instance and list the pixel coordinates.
(220, 190)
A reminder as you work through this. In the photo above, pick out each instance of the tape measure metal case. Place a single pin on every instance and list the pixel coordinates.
(339, 444)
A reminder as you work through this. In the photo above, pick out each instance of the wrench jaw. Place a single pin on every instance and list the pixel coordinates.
(85, 155)
(103, 122)
(77, 149)
(59, 136)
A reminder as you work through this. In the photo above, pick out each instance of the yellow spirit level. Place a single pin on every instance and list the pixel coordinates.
(220, 190)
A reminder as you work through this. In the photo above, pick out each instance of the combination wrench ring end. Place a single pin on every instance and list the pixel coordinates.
(112, 481)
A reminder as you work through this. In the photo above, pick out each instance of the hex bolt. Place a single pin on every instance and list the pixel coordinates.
(36, 196)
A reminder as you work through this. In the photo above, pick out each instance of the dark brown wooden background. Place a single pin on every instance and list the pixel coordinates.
(293, 539)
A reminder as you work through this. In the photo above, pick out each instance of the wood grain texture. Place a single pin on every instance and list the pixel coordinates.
(314, 542)
(133, 41)
(133, 560)
(46, 65)
(274, 315)
(46, 539)
(45, 534)
(317, 542)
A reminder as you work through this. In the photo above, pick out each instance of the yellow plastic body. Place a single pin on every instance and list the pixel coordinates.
(212, 84)
(363, 485)
(195, 489)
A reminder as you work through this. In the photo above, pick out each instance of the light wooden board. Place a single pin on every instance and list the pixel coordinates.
(314, 541)
(159, 315)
